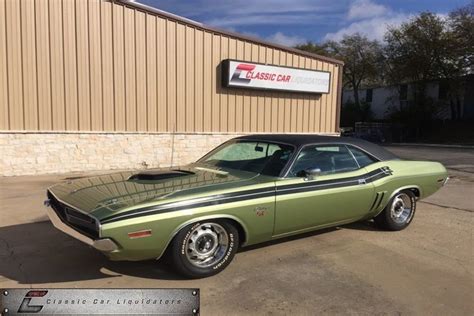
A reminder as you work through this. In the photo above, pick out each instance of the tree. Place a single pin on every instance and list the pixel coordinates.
(429, 47)
(461, 28)
(319, 49)
(416, 52)
(361, 59)
(460, 55)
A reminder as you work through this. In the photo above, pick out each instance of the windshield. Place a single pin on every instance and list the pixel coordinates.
(253, 156)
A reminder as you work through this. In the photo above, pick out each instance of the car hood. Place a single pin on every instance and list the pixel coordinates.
(106, 194)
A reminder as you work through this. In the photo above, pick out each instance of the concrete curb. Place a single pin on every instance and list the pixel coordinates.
(430, 145)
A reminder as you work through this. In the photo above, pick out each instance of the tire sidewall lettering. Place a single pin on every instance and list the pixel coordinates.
(219, 265)
(412, 215)
(186, 238)
(229, 251)
(413, 203)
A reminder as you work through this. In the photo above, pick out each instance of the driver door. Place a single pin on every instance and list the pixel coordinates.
(338, 194)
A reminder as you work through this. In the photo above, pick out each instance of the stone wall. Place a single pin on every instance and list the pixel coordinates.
(30, 153)
(44, 153)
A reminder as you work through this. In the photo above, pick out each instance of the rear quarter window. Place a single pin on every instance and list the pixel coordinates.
(363, 159)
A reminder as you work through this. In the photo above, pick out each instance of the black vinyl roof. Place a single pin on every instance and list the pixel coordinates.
(299, 140)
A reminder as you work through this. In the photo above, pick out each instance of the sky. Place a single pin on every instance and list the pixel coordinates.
(292, 22)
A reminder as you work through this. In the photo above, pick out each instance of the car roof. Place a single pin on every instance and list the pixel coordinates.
(300, 140)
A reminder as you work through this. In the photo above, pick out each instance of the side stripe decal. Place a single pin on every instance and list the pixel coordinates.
(251, 194)
(171, 207)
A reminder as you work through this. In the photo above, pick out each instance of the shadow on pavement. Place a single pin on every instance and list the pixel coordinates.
(287, 239)
(37, 253)
(364, 225)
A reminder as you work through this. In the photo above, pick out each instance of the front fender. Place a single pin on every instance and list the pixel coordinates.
(165, 226)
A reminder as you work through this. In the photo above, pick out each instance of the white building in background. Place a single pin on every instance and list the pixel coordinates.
(388, 99)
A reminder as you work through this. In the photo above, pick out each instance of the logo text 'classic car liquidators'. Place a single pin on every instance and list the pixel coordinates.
(258, 76)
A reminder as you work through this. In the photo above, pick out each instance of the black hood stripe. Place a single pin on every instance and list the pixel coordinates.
(194, 203)
(250, 195)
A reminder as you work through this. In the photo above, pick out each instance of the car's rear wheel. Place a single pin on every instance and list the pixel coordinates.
(205, 248)
(399, 212)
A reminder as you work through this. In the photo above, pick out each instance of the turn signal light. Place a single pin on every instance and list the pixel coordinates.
(140, 234)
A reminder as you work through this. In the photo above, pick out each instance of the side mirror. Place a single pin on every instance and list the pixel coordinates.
(311, 173)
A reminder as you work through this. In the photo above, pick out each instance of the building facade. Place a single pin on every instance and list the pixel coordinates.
(387, 100)
(102, 84)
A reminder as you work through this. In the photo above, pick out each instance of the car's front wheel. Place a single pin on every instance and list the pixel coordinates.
(204, 248)
(399, 212)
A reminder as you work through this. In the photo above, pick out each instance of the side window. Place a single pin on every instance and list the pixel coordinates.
(329, 158)
(362, 158)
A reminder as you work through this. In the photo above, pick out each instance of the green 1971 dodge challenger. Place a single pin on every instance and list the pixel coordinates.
(249, 190)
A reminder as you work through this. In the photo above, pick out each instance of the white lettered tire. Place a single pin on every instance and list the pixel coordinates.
(204, 248)
(399, 212)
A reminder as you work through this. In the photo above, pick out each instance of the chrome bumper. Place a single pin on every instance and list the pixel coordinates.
(104, 244)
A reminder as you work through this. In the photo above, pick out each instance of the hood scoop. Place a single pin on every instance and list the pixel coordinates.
(156, 175)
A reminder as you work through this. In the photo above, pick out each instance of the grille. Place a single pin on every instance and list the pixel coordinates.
(78, 221)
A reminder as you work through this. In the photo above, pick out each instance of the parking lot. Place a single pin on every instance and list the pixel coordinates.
(355, 269)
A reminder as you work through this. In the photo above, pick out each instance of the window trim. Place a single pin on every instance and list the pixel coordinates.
(292, 161)
(353, 156)
(363, 151)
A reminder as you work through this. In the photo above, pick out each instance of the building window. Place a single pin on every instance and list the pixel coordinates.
(403, 92)
(368, 95)
(443, 90)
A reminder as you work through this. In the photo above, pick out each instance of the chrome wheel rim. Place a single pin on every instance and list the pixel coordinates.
(401, 210)
(207, 244)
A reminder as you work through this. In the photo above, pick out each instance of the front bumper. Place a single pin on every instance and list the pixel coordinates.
(103, 244)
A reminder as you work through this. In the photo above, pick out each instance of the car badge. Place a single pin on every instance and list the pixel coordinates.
(260, 211)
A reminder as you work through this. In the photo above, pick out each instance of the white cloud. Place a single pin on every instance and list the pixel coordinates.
(241, 7)
(237, 13)
(277, 38)
(370, 19)
(287, 40)
(373, 28)
(265, 19)
(363, 9)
